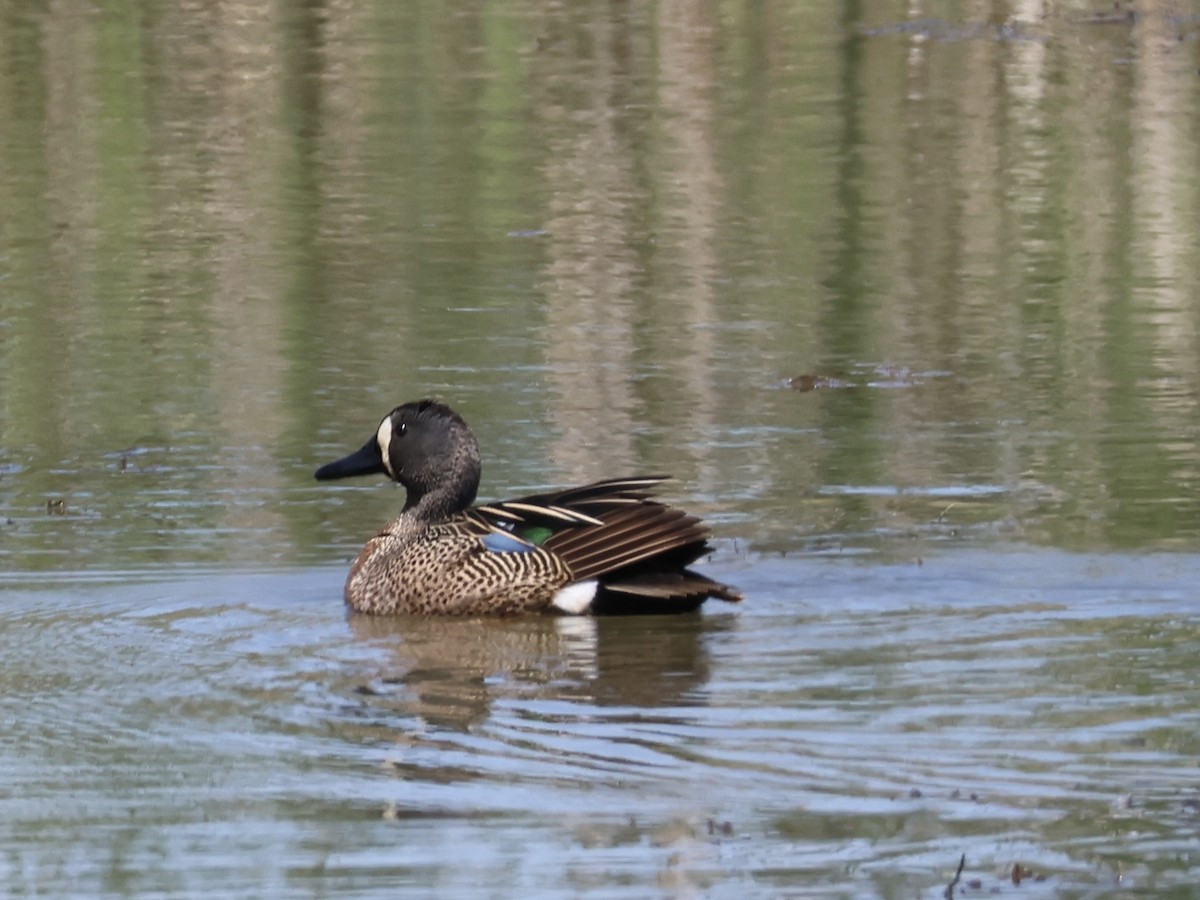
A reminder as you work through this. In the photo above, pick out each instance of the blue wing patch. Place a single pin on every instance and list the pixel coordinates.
(499, 542)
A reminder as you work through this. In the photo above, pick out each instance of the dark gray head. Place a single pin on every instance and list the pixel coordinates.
(428, 448)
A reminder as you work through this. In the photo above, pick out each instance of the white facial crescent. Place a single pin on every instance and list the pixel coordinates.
(384, 437)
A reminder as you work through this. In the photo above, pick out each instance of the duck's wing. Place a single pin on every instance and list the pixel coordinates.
(538, 516)
(615, 533)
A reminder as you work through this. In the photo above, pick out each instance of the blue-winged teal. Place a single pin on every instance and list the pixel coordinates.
(606, 547)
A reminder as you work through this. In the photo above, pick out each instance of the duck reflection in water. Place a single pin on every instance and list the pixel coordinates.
(449, 672)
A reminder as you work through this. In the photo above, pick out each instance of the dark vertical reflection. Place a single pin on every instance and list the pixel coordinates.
(845, 320)
(307, 288)
(31, 329)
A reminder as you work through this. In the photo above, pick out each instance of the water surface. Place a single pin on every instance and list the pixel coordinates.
(853, 730)
(904, 298)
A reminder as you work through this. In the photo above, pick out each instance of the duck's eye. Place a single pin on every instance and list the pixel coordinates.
(401, 428)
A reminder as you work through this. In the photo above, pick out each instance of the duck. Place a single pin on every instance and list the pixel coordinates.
(608, 547)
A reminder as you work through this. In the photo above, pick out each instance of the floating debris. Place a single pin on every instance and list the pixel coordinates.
(816, 382)
(1016, 874)
(873, 376)
(1119, 16)
(1020, 873)
(723, 828)
(945, 31)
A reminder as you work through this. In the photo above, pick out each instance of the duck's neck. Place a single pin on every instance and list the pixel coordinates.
(430, 507)
(444, 499)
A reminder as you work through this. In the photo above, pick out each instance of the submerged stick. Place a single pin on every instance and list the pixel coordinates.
(949, 894)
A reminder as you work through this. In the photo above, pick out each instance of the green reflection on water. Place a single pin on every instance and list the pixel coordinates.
(609, 236)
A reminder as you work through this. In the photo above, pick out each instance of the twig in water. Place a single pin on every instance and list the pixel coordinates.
(949, 894)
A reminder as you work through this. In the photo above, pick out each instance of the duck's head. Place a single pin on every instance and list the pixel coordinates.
(427, 447)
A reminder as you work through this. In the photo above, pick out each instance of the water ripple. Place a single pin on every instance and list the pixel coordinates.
(866, 731)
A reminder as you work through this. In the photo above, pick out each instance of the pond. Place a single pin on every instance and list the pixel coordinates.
(904, 300)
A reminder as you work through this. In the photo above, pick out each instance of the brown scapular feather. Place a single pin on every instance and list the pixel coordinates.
(572, 506)
(599, 492)
(632, 548)
(628, 536)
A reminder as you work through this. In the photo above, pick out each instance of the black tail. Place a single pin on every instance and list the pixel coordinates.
(640, 554)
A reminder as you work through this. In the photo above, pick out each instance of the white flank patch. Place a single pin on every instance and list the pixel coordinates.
(384, 438)
(576, 598)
